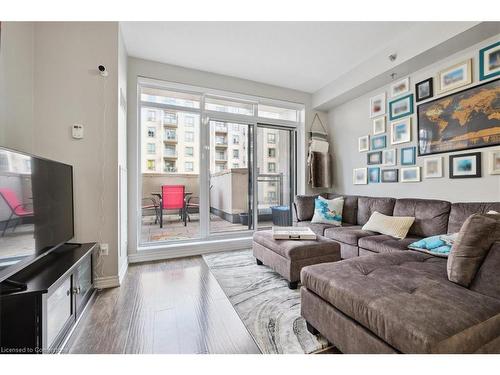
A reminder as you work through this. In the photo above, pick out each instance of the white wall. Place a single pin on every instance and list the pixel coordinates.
(350, 121)
(16, 85)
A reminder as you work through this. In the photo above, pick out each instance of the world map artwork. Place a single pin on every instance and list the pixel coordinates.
(467, 119)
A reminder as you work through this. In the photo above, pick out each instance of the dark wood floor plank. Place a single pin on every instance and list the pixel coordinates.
(173, 306)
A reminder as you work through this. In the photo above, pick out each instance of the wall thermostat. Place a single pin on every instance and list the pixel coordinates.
(77, 131)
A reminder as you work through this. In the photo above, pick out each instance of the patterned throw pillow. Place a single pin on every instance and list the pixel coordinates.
(328, 211)
(439, 245)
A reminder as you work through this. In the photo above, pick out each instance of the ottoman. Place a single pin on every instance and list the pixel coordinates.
(287, 257)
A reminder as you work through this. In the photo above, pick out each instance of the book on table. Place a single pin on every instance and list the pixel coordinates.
(293, 233)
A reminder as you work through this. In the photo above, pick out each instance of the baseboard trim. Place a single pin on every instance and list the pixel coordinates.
(191, 250)
(107, 282)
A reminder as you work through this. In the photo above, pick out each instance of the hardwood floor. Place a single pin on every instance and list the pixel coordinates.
(173, 306)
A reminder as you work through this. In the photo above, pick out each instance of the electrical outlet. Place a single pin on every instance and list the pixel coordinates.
(104, 249)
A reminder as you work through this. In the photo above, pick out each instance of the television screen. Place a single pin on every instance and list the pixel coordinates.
(36, 208)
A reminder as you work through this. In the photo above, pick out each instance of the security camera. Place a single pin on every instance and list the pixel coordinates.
(102, 70)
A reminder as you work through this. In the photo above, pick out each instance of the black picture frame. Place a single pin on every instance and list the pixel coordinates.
(419, 109)
(373, 153)
(385, 179)
(430, 81)
(478, 173)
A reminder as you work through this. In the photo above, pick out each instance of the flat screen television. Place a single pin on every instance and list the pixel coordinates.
(36, 208)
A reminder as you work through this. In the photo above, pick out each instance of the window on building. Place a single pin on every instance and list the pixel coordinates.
(151, 115)
(271, 196)
(169, 118)
(188, 166)
(170, 166)
(170, 135)
(151, 132)
(236, 165)
(220, 167)
(271, 167)
(236, 154)
(151, 148)
(220, 140)
(220, 155)
(236, 139)
(189, 136)
(271, 152)
(151, 165)
(189, 151)
(271, 138)
(170, 151)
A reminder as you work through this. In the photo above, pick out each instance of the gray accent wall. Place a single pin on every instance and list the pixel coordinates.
(351, 120)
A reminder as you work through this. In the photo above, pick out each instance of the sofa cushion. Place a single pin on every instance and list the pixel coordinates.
(296, 250)
(347, 234)
(319, 229)
(383, 243)
(367, 206)
(391, 225)
(461, 211)
(304, 206)
(405, 299)
(328, 211)
(431, 216)
(474, 240)
(350, 210)
(487, 280)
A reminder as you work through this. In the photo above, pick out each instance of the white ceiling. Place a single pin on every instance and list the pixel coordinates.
(305, 56)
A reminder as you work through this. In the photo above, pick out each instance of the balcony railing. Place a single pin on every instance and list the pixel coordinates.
(169, 123)
(170, 169)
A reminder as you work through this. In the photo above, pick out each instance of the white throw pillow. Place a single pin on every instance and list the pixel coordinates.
(395, 226)
(328, 211)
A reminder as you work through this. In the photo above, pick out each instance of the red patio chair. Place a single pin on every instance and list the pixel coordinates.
(172, 198)
(17, 209)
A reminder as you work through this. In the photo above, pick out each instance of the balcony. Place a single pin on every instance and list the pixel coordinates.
(170, 155)
(170, 169)
(170, 138)
(221, 142)
(169, 123)
(220, 129)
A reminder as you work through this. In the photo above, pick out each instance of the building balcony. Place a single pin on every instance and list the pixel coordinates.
(170, 169)
(169, 124)
(221, 129)
(170, 139)
(170, 155)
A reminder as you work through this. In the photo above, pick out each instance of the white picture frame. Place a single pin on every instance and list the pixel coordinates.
(401, 131)
(377, 105)
(400, 87)
(433, 167)
(360, 176)
(389, 157)
(455, 76)
(379, 125)
(494, 161)
(410, 174)
(364, 143)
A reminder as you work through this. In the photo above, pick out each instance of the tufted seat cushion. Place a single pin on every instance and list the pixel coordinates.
(405, 299)
(347, 234)
(384, 244)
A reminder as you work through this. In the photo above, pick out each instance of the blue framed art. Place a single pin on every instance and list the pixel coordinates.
(373, 175)
(489, 61)
(379, 142)
(401, 107)
(408, 155)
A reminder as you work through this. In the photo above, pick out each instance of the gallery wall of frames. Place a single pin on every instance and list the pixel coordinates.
(456, 109)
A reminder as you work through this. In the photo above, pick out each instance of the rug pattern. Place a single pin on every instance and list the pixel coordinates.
(260, 296)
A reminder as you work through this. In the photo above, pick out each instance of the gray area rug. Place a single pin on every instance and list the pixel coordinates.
(260, 296)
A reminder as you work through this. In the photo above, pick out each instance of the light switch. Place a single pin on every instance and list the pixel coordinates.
(77, 131)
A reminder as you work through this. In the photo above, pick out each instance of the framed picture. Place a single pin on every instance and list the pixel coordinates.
(389, 157)
(401, 131)
(379, 142)
(424, 90)
(489, 61)
(374, 158)
(401, 107)
(363, 143)
(410, 174)
(359, 176)
(400, 87)
(494, 161)
(373, 175)
(408, 155)
(455, 76)
(464, 120)
(379, 125)
(433, 167)
(389, 175)
(377, 105)
(465, 165)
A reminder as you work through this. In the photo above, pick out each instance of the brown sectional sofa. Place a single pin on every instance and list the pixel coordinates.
(398, 300)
